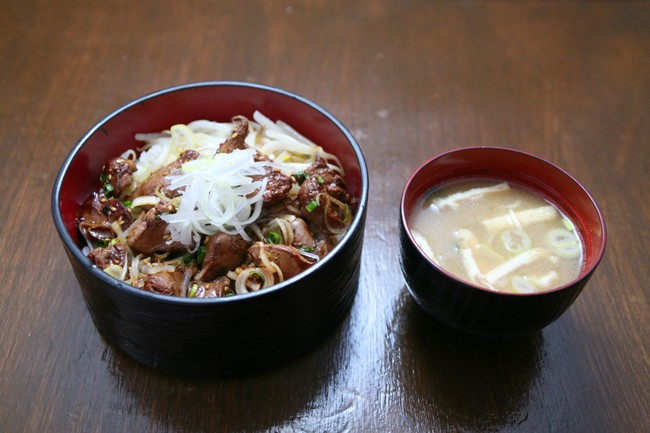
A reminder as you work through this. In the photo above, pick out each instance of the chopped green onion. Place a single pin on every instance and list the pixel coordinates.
(564, 243)
(200, 255)
(102, 243)
(321, 180)
(311, 205)
(307, 249)
(102, 177)
(274, 238)
(108, 189)
(127, 203)
(300, 176)
(193, 290)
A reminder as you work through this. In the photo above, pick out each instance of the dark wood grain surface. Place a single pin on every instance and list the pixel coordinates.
(568, 81)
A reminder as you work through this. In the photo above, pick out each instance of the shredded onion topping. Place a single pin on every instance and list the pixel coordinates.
(218, 193)
(213, 191)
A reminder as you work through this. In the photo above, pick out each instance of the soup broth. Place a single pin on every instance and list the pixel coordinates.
(497, 235)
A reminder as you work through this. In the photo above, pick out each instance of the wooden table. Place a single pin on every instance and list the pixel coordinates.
(568, 81)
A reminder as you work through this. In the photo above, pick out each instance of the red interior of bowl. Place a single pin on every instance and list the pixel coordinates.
(214, 101)
(536, 174)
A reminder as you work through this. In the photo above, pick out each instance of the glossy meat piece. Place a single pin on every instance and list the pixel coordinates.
(96, 215)
(237, 139)
(111, 255)
(149, 232)
(224, 253)
(118, 173)
(157, 180)
(165, 283)
(215, 289)
(277, 187)
(322, 182)
(302, 237)
(330, 181)
(286, 257)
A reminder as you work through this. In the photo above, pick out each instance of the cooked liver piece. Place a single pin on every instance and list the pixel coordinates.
(96, 215)
(322, 180)
(223, 253)
(288, 258)
(149, 232)
(111, 255)
(118, 172)
(237, 139)
(165, 283)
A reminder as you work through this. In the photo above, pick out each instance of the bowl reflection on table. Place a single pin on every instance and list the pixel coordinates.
(224, 335)
(457, 379)
(480, 311)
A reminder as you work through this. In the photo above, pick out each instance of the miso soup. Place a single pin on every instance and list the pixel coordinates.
(497, 235)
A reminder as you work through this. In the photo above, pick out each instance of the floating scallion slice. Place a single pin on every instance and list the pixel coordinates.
(564, 243)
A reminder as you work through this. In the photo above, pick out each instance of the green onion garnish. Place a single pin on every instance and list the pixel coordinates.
(101, 243)
(108, 189)
(311, 205)
(193, 290)
(200, 255)
(300, 176)
(274, 238)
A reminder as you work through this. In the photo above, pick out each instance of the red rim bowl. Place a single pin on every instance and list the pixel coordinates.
(234, 335)
(472, 309)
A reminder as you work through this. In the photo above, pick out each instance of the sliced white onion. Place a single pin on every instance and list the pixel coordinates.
(516, 241)
(218, 194)
(244, 285)
(155, 268)
(115, 271)
(145, 200)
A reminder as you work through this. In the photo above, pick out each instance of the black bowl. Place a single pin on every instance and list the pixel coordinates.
(233, 335)
(475, 310)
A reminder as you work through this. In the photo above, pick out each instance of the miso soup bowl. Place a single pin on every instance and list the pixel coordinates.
(209, 337)
(471, 309)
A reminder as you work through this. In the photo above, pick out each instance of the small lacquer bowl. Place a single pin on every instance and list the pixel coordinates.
(472, 309)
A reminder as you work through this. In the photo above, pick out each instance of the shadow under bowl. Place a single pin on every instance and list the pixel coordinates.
(479, 311)
(222, 336)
